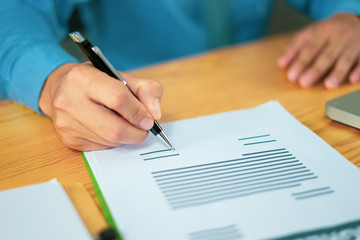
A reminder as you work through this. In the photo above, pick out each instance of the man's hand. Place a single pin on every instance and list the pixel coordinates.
(328, 51)
(91, 110)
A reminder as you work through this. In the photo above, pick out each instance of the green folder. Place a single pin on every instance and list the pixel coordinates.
(104, 207)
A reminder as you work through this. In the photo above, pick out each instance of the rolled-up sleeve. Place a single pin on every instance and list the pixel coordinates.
(322, 9)
(30, 36)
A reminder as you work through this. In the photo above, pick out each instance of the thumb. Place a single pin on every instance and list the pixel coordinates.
(148, 91)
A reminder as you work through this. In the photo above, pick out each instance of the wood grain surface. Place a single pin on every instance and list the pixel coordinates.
(228, 79)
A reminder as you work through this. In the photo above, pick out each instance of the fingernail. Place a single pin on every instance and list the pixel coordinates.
(354, 78)
(293, 75)
(156, 110)
(331, 82)
(306, 80)
(146, 123)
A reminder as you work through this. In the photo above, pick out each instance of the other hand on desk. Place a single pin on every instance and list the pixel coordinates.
(91, 110)
(328, 50)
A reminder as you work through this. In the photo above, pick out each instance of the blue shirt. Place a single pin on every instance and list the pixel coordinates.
(131, 33)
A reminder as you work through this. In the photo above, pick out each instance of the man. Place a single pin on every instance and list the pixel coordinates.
(92, 111)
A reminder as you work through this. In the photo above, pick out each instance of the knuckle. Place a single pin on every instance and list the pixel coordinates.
(152, 85)
(158, 86)
(60, 124)
(62, 103)
(114, 134)
(307, 55)
(77, 74)
(311, 48)
(116, 99)
(302, 36)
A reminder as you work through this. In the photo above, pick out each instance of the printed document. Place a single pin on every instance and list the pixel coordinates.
(41, 211)
(251, 174)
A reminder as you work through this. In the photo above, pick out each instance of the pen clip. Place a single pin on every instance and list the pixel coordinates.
(108, 64)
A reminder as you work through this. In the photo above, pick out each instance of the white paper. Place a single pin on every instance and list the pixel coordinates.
(250, 174)
(40, 211)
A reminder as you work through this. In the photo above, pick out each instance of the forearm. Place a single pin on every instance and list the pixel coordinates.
(30, 50)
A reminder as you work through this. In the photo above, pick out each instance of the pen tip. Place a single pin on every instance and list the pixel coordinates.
(166, 140)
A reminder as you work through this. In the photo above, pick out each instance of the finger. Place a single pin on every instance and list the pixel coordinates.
(355, 74)
(342, 68)
(111, 126)
(102, 121)
(293, 48)
(116, 96)
(67, 126)
(81, 144)
(148, 91)
(306, 55)
(323, 62)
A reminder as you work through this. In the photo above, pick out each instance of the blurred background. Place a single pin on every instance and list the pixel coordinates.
(284, 19)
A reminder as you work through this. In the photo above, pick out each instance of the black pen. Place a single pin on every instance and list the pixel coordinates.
(97, 58)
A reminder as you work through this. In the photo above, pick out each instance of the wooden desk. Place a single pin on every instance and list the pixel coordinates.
(228, 79)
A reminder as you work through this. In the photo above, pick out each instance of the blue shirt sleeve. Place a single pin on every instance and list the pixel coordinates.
(322, 9)
(31, 31)
(30, 35)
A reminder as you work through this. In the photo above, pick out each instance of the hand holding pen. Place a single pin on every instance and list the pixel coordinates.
(91, 110)
(98, 59)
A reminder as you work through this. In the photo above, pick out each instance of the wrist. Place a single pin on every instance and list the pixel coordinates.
(51, 86)
(346, 15)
